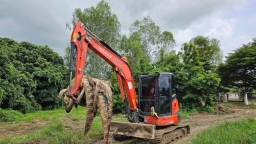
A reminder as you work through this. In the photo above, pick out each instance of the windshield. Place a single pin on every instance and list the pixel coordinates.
(147, 96)
(164, 98)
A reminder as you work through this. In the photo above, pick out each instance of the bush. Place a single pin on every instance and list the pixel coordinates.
(9, 115)
(209, 109)
(118, 104)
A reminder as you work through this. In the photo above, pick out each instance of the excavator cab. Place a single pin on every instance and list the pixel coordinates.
(157, 100)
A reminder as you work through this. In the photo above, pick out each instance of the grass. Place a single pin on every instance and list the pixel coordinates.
(15, 116)
(54, 130)
(240, 132)
(239, 104)
(186, 113)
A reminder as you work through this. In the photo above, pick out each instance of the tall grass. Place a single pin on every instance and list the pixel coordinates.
(241, 132)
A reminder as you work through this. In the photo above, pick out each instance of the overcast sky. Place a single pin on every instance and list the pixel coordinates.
(42, 22)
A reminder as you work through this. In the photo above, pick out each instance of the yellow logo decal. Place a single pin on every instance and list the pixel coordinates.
(74, 35)
(133, 101)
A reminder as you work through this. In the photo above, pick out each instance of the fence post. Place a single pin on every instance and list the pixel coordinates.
(246, 99)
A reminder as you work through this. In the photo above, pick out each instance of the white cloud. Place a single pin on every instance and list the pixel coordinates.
(222, 28)
(213, 26)
(43, 22)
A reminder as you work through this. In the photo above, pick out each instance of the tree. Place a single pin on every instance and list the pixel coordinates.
(151, 38)
(66, 57)
(239, 70)
(209, 51)
(106, 26)
(50, 76)
(166, 41)
(194, 83)
(30, 77)
(13, 79)
(132, 49)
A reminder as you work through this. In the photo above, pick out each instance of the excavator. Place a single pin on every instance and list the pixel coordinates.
(152, 108)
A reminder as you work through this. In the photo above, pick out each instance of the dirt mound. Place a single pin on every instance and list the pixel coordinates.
(221, 109)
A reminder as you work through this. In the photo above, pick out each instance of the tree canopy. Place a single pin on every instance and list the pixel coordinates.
(239, 70)
(151, 38)
(30, 77)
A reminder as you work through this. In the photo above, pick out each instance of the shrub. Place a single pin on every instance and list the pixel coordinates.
(9, 115)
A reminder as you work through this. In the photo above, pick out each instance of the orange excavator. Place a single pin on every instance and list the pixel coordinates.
(153, 114)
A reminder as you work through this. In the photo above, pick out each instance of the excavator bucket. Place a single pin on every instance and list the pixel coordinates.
(138, 130)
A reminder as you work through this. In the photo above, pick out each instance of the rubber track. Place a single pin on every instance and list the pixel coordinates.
(165, 136)
(169, 137)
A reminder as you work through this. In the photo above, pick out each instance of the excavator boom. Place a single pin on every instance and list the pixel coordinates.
(81, 40)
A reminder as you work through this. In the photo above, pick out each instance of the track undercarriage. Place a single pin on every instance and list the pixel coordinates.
(147, 134)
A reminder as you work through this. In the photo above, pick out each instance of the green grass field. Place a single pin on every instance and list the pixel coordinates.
(53, 131)
(240, 132)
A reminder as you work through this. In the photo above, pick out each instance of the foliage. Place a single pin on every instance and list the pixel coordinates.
(132, 49)
(209, 51)
(31, 76)
(209, 109)
(66, 57)
(242, 132)
(195, 81)
(240, 68)
(104, 25)
(9, 115)
(151, 38)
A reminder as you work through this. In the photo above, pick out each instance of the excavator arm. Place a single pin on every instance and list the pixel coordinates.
(81, 40)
